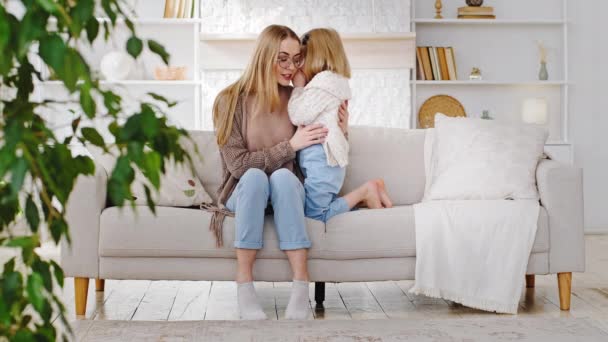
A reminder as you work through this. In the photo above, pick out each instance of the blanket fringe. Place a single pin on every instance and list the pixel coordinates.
(217, 221)
(475, 303)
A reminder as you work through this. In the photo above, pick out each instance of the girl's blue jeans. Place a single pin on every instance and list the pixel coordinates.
(322, 184)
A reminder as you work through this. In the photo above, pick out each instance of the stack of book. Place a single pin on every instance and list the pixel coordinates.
(436, 63)
(479, 12)
(179, 8)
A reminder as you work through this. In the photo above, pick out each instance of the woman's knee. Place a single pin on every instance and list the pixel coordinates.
(283, 177)
(254, 181)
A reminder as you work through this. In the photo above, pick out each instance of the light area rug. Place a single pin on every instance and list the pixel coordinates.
(505, 329)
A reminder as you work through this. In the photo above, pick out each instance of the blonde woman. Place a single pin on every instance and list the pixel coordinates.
(258, 146)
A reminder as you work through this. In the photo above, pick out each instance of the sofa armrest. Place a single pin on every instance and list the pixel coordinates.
(561, 193)
(83, 210)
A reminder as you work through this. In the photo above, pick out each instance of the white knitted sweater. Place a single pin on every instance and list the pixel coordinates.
(318, 102)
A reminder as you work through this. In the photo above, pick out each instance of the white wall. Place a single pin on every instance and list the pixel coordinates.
(589, 112)
(381, 97)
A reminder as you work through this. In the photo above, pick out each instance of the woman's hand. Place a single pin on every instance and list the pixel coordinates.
(308, 135)
(343, 117)
(299, 80)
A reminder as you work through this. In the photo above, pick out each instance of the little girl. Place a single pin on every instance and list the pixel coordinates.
(323, 165)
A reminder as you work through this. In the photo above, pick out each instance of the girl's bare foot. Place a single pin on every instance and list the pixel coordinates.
(386, 201)
(371, 198)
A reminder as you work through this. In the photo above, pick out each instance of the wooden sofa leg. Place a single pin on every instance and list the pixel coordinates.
(319, 293)
(530, 281)
(81, 289)
(564, 283)
(100, 284)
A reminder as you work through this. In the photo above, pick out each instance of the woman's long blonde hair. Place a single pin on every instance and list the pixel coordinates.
(323, 51)
(259, 78)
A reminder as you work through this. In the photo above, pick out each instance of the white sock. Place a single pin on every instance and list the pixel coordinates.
(298, 307)
(249, 305)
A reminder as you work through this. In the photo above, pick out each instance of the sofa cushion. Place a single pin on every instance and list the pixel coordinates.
(395, 155)
(482, 159)
(182, 232)
(389, 233)
(179, 232)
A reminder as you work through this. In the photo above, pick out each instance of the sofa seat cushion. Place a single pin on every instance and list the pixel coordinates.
(183, 232)
(389, 233)
(180, 232)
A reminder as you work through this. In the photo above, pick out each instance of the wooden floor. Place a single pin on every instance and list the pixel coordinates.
(188, 300)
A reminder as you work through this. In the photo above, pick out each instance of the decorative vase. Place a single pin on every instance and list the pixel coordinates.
(116, 65)
(543, 74)
(438, 6)
(474, 3)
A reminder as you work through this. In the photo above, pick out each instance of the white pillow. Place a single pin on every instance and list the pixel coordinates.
(179, 187)
(484, 159)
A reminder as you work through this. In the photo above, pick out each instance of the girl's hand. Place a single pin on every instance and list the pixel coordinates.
(308, 135)
(343, 117)
(299, 80)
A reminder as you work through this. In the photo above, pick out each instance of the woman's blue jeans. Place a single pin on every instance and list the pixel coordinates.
(250, 199)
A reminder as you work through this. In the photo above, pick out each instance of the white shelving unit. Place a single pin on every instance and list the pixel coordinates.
(505, 50)
(181, 39)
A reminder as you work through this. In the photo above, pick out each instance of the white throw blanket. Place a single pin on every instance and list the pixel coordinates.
(474, 252)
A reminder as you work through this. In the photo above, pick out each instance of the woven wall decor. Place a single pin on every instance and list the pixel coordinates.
(438, 104)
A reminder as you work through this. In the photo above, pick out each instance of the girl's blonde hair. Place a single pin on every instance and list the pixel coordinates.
(259, 78)
(324, 51)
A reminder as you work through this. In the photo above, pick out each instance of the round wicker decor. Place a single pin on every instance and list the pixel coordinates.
(438, 104)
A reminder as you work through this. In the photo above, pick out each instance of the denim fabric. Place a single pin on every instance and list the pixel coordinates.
(250, 199)
(322, 184)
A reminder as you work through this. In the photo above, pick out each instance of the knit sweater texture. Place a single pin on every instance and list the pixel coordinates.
(318, 102)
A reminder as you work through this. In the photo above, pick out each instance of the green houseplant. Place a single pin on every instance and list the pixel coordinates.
(38, 170)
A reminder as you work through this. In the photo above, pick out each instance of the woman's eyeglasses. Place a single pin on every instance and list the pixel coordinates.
(285, 62)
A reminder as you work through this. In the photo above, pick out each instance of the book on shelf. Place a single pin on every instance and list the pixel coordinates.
(426, 63)
(476, 17)
(451, 60)
(481, 10)
(179, 8)
(443, 64)
(419, 66)
(436, 63)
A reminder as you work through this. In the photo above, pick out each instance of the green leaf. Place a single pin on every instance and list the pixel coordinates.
(31, 214)
(162, 99)
(149, 122)
(134, 46)
(158, 49)
(112, 102)
(149, 200)
(87, 102)
(18, 172)
(48, 5)
(12, 286)
(52, 50)
(151, 167)
(58, 272)
(92, 28)
(93, 136)
(5, 29)
(34, 291)
(83, 11)
(58, 228)
(43, 268)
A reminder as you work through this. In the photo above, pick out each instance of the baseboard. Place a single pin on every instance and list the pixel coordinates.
(596, 231)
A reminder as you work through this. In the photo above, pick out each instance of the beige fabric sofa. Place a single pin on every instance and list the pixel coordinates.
(362, 245)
